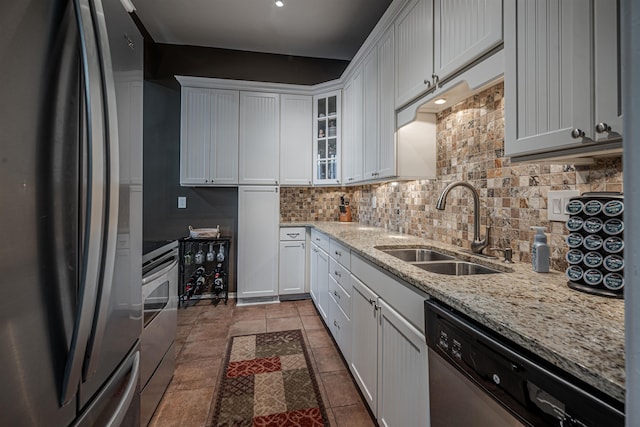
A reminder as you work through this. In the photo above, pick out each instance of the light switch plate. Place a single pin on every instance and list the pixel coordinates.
(557, 204)
(182, 202)
(373, 202)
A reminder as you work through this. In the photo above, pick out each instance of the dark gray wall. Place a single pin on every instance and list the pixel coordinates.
(206, 207)
(167, 60)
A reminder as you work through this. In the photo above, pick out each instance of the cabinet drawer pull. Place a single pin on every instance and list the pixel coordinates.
(292, 235)
(577, 133)
(602, 128)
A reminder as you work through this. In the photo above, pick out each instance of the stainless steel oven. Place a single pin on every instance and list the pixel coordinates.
(477, 378)
(157, 343)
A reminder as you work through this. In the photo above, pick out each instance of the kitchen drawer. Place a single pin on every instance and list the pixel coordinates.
(292, 233)
(321, 240)
(341, 296)
(340, 326)
(340, 253)
(340, 274)
(401, 296)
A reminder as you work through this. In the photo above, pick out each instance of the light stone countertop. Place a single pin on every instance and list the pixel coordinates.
(580, 333)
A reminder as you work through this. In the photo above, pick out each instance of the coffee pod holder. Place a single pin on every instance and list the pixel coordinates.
(596, 217)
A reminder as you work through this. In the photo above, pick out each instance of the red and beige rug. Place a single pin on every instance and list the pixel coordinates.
(267, 380)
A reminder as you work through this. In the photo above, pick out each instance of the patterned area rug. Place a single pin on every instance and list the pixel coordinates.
(267, 381)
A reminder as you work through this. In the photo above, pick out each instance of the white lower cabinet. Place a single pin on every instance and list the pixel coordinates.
(388, 359)
(403, 382)
(292, 267)
(258, 216)
(339, 323)
(319, 287)
(364, 341)
(292, 271)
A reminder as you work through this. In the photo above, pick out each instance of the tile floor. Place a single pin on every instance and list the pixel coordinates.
(203, 332)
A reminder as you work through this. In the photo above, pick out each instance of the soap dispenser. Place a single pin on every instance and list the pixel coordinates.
(540, 252)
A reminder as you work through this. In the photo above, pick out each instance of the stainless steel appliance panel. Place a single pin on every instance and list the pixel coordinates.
(39, 219)
(154, 389)
(456, 401)
(62, 238)
(160, 296)
(479, 378)
(160, 308)
(121, 306)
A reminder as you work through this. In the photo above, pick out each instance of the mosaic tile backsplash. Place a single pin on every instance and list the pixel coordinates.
(470, 144)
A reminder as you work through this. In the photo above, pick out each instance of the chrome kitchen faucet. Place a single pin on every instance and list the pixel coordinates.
(477, 245)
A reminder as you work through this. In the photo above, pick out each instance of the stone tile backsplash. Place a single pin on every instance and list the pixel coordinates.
(470, 144)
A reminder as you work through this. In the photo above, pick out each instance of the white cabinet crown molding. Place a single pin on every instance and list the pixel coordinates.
(252, 86)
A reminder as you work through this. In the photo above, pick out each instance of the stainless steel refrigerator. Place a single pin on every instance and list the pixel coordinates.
(70, 213)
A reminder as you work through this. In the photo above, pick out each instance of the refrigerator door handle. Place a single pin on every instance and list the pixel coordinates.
(113, 188)
(92, 245)
(128, 394)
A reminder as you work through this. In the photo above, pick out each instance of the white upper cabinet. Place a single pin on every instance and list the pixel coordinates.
(371, 129)
(414, 38)
(352, 142)
(386, 104)
(562, 92)
(326, 142)
(463, 31)
(435, 39)
(379, 111)
(209, 137)
(296, 144)
(259, 138)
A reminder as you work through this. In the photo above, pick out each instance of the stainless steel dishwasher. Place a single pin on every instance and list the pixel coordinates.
(477, 378)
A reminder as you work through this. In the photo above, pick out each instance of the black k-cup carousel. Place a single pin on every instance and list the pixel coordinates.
(596, 244)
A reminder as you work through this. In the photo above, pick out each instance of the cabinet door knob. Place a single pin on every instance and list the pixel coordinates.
(602, 128)
(577, 133)
(428, 83)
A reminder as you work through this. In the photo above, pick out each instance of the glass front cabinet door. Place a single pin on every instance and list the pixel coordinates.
(326, 141)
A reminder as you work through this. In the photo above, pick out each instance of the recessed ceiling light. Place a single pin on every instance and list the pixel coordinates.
(440, 101)
(279, 3)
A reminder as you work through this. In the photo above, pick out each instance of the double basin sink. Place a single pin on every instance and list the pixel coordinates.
(437, 262)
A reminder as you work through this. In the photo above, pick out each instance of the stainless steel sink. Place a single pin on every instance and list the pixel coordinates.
(417, 254)
(456, 268)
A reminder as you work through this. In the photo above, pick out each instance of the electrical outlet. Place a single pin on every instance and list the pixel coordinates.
(557, 204)
(373, 202)
(182, 202)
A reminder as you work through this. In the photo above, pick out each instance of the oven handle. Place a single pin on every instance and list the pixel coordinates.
(154, 276)
(157, 262)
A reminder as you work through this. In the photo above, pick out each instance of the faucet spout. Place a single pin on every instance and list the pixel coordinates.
(477, 245)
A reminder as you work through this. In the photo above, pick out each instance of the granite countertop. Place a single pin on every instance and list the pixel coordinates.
(580, 333)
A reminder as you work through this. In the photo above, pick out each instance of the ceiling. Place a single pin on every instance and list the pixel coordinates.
(333, 29)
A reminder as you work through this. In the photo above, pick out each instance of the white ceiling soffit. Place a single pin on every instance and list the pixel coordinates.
(332, 29)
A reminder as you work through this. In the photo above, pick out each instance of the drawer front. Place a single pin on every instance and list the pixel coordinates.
(340, 253)
(340, 274)
(341, 296)
(322, 240)
(292, 233)
(341, 331)
(401, 296)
